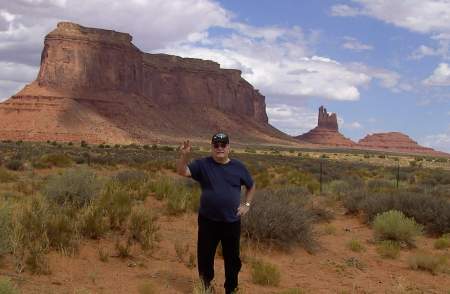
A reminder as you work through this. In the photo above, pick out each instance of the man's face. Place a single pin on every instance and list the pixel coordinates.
(220, 150)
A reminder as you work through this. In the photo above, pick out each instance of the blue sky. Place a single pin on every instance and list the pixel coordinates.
(381, 65)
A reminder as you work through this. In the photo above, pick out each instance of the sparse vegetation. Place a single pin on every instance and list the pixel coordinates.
(428, 262)
(388, 249)
(266, 274)
(394, 225)
(7, 287)
(355, 246)
(443, 242)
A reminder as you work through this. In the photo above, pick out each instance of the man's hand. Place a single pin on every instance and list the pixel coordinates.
(185, 148)
(242, 209)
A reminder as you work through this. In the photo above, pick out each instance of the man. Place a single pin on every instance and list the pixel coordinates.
(220, 209)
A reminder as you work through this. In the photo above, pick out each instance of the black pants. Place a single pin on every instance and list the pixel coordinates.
(209, 234)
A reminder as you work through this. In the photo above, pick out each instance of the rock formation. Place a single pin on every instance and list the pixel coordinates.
(95, 85)
(327, 132)
(394, 141)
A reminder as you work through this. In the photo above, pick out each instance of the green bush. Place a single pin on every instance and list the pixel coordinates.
(266, 274)
(7, 287)
(280, 217)
(427, 262)
(388, 249)
(62, 231)
(76, 187)
(394, 225)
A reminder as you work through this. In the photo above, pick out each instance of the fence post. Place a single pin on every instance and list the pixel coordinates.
(320, 186)
(398, 172)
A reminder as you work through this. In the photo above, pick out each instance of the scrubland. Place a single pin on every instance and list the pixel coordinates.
(80, 218)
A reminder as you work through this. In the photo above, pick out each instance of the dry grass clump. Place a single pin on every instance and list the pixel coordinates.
(388, 249)
(147, 288)
(7, 287)
(5, 227)
(427, 262)
(355, 246)
(394, 225)
(293, 291)
(265, 274)
(279, 217)
(116, 203)
(443, 242)
(53, 159)
(6, 176)
(142, 227)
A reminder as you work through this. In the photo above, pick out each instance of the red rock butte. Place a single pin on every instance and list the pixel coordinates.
(95, 85)
(327, 132)
(395, 141)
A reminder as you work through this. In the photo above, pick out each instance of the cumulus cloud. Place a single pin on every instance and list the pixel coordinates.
(355, 45)
(293, 120)
(440, 76)
(280, 61)
(423, 16)
(439, 142)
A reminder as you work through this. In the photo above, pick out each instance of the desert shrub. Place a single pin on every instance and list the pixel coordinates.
(394, 225)
(181, 196)
(116, 202)
(443, 242)
(6, 177)
(7, 287)
(135, 181)
(76, 187)
(131, 178)
(432, 212)
(352, 200)
(143, 227)
(266, 274)
(15, 164)
(388, 249)
(55, 159)
(92, 223)
(300, 178)
(62, 230)
(379, 185)
(427, 262)
(279, 217)
(5, 227)
(30, 241)
(355, 246)
(338, 188)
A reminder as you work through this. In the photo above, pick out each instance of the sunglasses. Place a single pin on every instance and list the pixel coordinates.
(219, 144)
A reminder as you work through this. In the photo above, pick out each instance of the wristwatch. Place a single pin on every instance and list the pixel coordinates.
(247, 204)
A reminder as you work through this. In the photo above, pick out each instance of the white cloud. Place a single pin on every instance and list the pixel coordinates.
(292, 120)
(423, 16)
(439, 142)
(344, 10)
(386, 78)
(353, 125)
(440, 76)
(355, 45)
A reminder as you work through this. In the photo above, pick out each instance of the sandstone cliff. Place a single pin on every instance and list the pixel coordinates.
(95, 85)
(327, 132)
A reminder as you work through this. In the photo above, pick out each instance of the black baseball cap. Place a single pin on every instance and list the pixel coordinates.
(220, 138)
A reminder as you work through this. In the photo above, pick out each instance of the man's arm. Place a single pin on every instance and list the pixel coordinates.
(249, 194)
(185, 152)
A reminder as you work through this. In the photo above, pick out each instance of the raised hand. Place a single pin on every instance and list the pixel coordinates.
(185, 148)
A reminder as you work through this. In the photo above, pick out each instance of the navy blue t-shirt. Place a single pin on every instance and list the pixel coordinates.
(221, 187)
